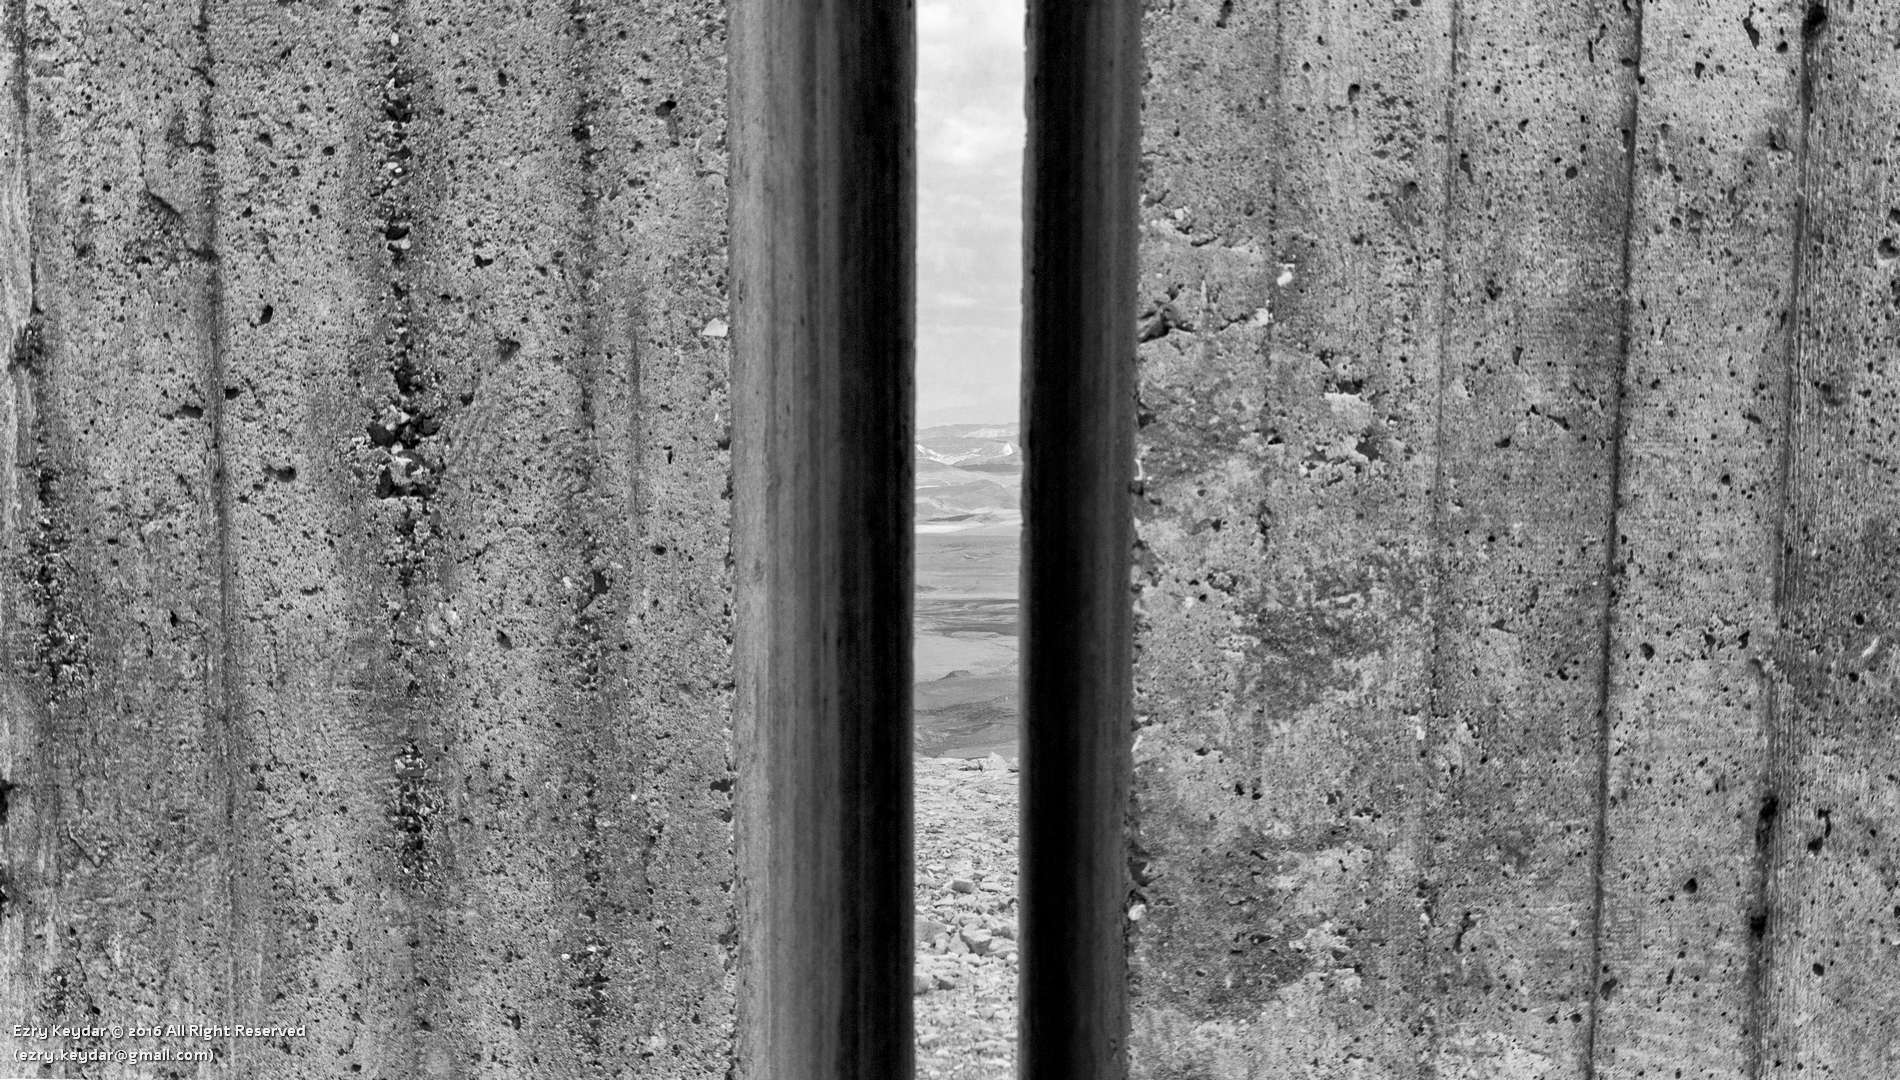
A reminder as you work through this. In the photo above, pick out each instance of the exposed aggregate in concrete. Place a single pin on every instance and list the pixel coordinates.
(1515, 577)
(367, 609)
(1511, 539)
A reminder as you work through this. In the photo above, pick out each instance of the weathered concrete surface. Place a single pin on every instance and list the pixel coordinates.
(1294, 173)
(1504, 735)
(1831, 1004)
(1531, 363)
(1516, 559)
(367, 609)
(1712, 235)
(118, 856)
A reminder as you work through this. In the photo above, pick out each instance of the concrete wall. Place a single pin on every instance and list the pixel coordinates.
(366, 605)
(1516, 572)
(1516, 567)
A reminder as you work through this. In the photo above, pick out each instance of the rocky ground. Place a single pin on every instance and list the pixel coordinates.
(966, 919)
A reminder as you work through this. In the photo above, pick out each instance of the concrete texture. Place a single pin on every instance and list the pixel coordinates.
(1712, 236)
(1829, 1004)
(1513, 542)
(1515, 550)
(367, 605)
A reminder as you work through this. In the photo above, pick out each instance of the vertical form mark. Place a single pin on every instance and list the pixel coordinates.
(16, 305)
(586, 106)
(225, 681)
(1612, 542)
(16, 290)
(1440, 569)
(407, 453)
(1761, 908)
(1448, 237)
(584, 639)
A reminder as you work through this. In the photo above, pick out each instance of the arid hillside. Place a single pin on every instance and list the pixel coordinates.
(968, 477)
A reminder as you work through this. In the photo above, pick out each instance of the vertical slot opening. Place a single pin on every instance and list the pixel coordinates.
(971, 130)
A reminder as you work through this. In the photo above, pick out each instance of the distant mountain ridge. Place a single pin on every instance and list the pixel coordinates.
(971, 445)
(968, 475)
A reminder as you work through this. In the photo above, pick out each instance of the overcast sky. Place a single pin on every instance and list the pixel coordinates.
(970, 132)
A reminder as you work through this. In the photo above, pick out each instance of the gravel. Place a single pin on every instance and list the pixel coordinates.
(966, 919)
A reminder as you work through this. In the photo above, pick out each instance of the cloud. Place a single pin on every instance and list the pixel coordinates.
(970, 132)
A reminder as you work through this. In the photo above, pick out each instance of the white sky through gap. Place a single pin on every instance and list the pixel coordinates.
(970, 133)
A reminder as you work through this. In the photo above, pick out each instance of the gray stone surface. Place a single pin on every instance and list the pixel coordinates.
(366, 612)
(1515, 582)
(1513, 539)
(1513, 542)
(1292, 265)
(1830, 1004)
(1694, 630)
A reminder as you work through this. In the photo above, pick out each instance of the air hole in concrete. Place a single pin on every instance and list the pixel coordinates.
(1815, 20)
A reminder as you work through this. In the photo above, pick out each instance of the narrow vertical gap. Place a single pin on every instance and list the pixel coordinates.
(1612, 545)
(968, 460)
(1774, 743)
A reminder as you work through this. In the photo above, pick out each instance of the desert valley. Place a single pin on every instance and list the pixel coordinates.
(968, 519)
